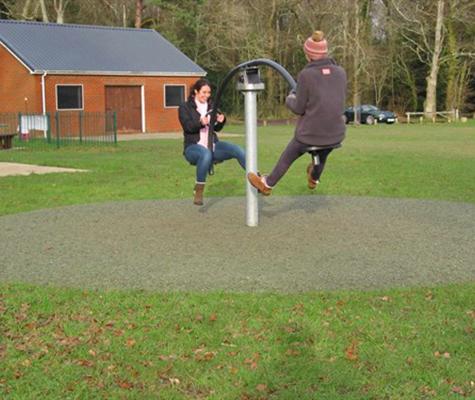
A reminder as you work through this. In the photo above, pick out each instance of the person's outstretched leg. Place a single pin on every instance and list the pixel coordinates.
(293, 151)
(226, 151)
(200, 156)
(265, 183)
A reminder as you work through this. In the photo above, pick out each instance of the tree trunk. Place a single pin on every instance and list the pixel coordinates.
(124, 16)
(60, 8)
(356, 61)
(138, 13)
(44, 11)
(26, 10)
(430, 106)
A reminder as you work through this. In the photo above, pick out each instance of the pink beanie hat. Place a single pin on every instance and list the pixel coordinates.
(315, 47)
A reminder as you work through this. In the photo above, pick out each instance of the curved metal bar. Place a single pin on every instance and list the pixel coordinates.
(252, 63)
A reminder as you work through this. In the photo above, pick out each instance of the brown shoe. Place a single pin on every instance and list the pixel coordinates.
(311, 183)
(198, 192)
(256, 181)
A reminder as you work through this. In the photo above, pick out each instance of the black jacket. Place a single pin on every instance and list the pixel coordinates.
(191, 124)
(320, 103)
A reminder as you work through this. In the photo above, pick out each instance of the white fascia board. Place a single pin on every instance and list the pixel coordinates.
(119, 73)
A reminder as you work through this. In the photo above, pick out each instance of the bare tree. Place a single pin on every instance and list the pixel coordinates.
(139, 6)
(44, 11)
(425, 41)
(60, 8)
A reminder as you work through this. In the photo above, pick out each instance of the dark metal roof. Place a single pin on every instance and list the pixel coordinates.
(85, 49)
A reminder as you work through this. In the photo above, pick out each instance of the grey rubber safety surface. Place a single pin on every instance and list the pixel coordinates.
(303, 243)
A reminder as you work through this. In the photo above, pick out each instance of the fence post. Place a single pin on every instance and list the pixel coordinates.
(115, 126)
(19, 126)
(48, 130)
(80, 126)
(408, 118)
(56, 117)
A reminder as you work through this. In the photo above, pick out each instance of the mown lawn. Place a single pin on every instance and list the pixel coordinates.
(431, 162)
(62, 343)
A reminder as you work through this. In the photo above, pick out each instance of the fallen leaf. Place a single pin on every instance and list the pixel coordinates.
(292, 352)
(130, 342)
(124, 384)
(85, 363)
(261, 387)
(213, 317)
(205, 356)
(289, 329)
(26, 363)
(458, 390)
(351, 352)
(174, 381)
(426, 390)
(110, 324)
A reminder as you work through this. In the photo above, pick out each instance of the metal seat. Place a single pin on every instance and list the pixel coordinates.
(314, 150)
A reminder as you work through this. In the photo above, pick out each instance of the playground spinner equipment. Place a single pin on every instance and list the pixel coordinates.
(249, 83)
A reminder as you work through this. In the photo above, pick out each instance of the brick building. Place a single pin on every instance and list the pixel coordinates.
(46, 68)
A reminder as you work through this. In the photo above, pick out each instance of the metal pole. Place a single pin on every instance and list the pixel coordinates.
(250, 110)
(250, 83)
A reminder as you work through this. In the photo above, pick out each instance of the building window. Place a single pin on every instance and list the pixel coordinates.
(69, 97)
(174, 95)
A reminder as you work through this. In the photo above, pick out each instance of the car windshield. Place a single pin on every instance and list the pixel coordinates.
(369, 108)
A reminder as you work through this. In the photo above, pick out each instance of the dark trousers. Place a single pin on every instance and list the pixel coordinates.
(293, 151)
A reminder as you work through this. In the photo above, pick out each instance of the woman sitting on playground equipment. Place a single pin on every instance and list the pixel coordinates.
(194, 117)
(319, 100)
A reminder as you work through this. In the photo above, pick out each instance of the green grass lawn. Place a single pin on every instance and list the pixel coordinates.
(61, 343)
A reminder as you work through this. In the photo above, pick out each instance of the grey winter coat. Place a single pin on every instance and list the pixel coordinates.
(320, 103)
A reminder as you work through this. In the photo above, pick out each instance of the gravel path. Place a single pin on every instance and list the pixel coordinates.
(302, 243)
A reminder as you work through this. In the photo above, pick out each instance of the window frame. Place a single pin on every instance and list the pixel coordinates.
(70, 84)
(165, 93)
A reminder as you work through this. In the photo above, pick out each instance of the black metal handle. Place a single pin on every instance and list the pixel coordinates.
(252, 63)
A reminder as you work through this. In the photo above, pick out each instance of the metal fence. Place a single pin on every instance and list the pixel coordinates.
(60, 129)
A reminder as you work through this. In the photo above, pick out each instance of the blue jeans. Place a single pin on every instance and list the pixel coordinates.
(200, 156)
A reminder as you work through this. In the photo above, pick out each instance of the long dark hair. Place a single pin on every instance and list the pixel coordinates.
(197, 86)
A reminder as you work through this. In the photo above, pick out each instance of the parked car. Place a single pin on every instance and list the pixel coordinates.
(369, 114)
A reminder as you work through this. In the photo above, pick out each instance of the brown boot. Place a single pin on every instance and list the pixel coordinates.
(311, 183)
(198, 192)
(256, 181)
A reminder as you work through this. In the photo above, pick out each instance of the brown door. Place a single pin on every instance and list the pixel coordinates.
(126, 101)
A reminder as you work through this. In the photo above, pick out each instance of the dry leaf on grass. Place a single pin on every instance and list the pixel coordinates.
(351, 352)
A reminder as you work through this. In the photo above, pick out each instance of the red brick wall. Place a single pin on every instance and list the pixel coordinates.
(16, 83)
(157, 117)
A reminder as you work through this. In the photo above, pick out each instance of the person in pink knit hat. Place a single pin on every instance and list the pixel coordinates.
(319, 101)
